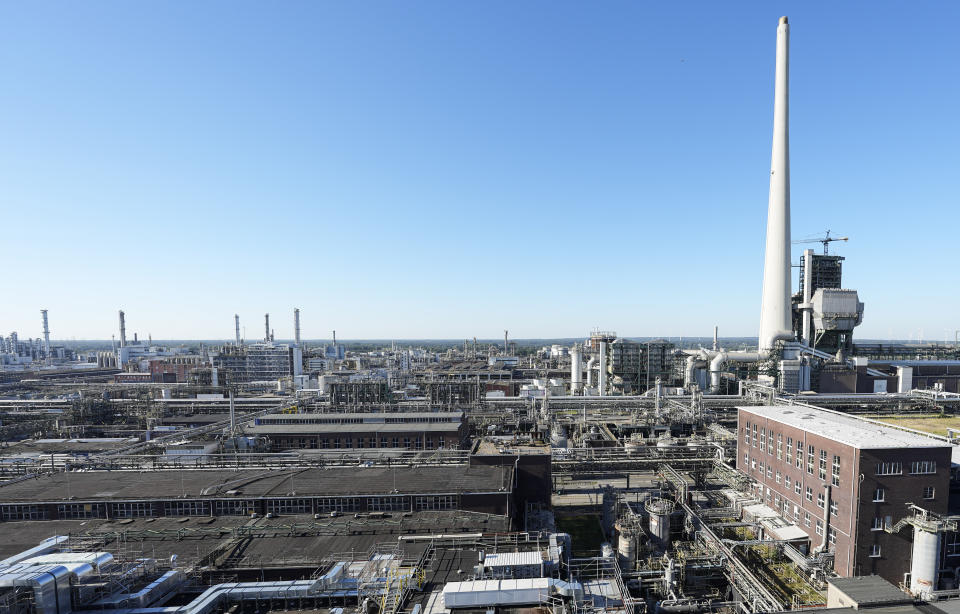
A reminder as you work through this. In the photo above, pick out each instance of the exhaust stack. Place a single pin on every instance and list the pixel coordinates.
(236, 323)
(775, 317)
(123, 330)
(266, 328)
(46, 337)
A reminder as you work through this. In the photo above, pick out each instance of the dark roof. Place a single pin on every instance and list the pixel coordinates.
(255, 483)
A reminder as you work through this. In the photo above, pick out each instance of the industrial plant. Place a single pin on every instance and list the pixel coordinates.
(802, 470)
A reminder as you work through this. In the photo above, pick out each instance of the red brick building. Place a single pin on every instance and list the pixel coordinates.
(843, 479)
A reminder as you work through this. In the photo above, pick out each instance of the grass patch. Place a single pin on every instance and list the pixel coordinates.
(934, 424)
(585, 531)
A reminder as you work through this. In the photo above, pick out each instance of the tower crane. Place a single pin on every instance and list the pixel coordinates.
(826, 240)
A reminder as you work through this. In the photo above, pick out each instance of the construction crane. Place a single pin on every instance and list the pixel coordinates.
(826, 240)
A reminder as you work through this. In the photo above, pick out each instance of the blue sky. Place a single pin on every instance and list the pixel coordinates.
(451, 169)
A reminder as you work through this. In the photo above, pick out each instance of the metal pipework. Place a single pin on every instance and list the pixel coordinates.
(775, 315)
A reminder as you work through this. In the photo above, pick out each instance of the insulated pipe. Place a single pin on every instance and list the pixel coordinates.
(590, 365)
(775, 315)
(807, 307)
(826, 520)
(719, 361)
(603, 368)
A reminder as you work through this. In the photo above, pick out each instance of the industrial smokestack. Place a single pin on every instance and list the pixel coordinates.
(506, 345)
(236, 323)
(266, 327)
(775, 313)
(123, 330)
(296, 327)
(46, 336)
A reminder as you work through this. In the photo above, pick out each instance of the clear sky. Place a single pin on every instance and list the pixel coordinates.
(450, 169)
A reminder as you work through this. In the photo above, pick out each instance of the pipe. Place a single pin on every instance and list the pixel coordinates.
(807, 307)
(826, 520)
(775, 312)
(603, 369)
(590, 364)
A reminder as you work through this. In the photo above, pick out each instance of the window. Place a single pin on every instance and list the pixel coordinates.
(819, 527)
(786, 481)
(445, 502)
(796, 514)
(810, 493)
(777, 500)
(878, 495)
(810, 456)
(746, 459)
(131, 510)
(797, 487)
(836, 471)
(778, 477)
(806, 518)
(386, 504)
(822, 469)
(77, 511)
(875, 551)
(832, 535)
(821, 501)
(920, 467)
(892, 468)
(799, 454)
(753, 463)
(789, 450)
(779, 446)
(289, 506)
(234, 507)
(746, 434)
(769, 471)
(755, 436)
(23, 512)
(763, 439)
(186, 508)
(834, 508)
(928, 492)
(877, 524)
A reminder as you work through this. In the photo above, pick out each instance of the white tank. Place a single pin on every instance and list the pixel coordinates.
(660, 510)
(576, 370)
(923, 566)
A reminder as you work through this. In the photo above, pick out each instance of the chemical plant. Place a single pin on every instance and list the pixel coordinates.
(603, 474)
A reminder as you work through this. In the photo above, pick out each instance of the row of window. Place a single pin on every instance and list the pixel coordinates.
(758, 437)
(348, 443)
(232, 507)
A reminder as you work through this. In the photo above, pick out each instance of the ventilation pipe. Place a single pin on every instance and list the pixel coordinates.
(775, 314)
(826, 521)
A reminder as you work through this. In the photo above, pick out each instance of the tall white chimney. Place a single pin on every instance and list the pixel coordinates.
(266, 328)
(46, 337)
(296, 327)
(236, 323)
(775, 317)
(123, 330)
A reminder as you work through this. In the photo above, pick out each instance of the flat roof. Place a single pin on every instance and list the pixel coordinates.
(865, 590)
(354, 427)
(843, 428)
(257, 483)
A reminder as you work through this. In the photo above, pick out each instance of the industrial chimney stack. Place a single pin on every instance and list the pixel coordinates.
(236, 323)
(123, 330)
(296, 327)
(46, 336)
(266, 328)
(775, 316)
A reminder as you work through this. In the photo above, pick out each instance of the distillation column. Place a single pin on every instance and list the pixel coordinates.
(576, 369)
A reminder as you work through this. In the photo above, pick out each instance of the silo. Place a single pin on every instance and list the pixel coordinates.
(923, 566)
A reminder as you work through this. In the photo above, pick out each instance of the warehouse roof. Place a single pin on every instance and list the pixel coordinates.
(844, 428)
(256, 483)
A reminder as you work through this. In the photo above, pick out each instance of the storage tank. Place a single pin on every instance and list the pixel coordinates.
(659, 510)
(627, 548)
(606, 550)
(923, 565)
